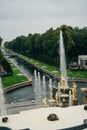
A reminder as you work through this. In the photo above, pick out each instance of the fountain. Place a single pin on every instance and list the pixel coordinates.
(70, 98)
(63, 63)
(37, 88)
(64, 82)
(50, 87)
(56, 98)
(3, 111)
(44, 86)
(59, 93)
(44, 100)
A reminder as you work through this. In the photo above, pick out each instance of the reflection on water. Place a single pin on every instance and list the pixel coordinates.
(28, 93)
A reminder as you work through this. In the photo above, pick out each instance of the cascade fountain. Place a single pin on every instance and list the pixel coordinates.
(72, 117)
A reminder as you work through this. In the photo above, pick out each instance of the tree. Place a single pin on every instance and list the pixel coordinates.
(1, 56)
(45, 46)
(68, 41)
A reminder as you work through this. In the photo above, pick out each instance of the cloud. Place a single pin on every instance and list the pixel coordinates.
(32, 16)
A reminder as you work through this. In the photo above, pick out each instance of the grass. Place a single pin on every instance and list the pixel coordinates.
(52, 69)
(14, 79)
(56, 70)
(77, 73)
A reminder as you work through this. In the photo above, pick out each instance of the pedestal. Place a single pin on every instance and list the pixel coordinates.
(85, 95)
(74, 102)
(64, 100)
(84, 99)
(64, 103)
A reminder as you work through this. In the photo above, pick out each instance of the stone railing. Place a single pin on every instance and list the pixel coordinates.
(16, 86)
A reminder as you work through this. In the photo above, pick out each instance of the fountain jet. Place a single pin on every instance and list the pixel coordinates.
(2, 102)
(63, 63)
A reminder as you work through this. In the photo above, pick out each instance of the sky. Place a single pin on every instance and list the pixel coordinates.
(21, 17)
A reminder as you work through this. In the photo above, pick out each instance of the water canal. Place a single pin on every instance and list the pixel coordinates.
(28, 93)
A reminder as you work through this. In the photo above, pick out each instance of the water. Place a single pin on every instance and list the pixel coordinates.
(40, 84)
(44, 86)
(40, 87)
(50, 88)
(59, 93)
(70, 98)
(63, 60)
(36, 85)
(28, 93)
(2, 101)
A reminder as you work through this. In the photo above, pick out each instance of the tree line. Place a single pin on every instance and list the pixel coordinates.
(45, 47)
(4, 63)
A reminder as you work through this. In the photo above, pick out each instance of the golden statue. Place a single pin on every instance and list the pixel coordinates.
(74, 91)
(63, 82)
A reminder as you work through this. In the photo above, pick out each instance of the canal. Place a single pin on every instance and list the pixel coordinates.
(28, 93)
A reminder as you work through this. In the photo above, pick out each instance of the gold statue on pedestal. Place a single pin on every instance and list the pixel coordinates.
(74, 91)
(85, 95)
(63, 82)
(74, 96)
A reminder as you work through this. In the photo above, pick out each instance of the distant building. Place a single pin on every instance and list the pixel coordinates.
(82, 61)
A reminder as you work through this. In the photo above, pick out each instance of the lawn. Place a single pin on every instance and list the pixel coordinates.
(55, 70)
(17, 77)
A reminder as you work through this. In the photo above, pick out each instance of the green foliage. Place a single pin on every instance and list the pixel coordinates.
(0, 41)
(6, 66)
(77, 73)
(1, 56)
(45, 47)
(13, 79)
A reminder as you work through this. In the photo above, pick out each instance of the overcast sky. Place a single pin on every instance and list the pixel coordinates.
(21, 17)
